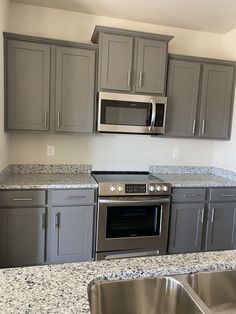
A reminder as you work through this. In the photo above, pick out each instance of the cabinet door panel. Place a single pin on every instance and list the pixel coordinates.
(216, 101)
(75, 74)
(182, 96)
(116, 62)
(72, 234)
(221, 232)
(151, 66)
(22, 240)
(28, 73)
(186, 224)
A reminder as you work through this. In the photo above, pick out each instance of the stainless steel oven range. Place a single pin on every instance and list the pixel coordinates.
(133, 215)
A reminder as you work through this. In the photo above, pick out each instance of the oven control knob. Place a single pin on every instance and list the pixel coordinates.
(151, 188)
(165, 188)
(112, 188)
(119, 188)
(158, 188)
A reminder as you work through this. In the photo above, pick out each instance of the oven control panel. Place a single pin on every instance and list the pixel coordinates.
(109, 189)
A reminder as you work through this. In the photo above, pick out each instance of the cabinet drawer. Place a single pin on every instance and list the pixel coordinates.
(22, 198)
(188, 195)
(222, 194)
(72, 197)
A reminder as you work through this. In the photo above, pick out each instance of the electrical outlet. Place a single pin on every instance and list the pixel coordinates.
(50, 150)
(175, 153)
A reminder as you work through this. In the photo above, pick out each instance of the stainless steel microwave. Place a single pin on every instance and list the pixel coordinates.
(126, 113)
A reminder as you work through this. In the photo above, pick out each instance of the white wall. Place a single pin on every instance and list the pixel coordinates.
(108, 151)
(224, 154)
(3, 136)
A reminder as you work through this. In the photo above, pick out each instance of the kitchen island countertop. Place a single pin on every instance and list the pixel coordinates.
(63, 288)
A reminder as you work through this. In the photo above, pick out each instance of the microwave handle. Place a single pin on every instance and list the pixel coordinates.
(153, 118)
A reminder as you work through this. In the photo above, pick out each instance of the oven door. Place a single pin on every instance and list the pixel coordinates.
(126, 223)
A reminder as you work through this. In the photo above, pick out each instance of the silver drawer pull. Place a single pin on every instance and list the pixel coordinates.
(140, 79)
(45, 118)
(129, 78)
(202, 217)
(71, 197)
(228, 195)
(194, 126)
(203, 126)
(58, 119)
(191, 195)
(22, 199)
(212, 215)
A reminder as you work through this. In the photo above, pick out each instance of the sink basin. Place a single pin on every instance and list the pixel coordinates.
(216, 289)
(161, 295)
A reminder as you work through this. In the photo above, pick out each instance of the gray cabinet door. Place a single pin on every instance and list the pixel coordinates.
(186, 225)
(216, 100)
(221, 229)
(72, 234)
(22, 236)
(116, 62)
(182, 97)
(28, 74)
(151, 66)
(75, 75)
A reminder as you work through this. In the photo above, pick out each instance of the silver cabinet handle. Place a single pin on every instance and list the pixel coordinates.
(194, 126)
(203, 126)
(228, 195)
(202, 216)
(45, 118)
(58, 119)
(57, 218)
(72, 197)
(43, 221)
(212, 215)
(129, 78)
(22, 199)
(191, 195)
(140, 79)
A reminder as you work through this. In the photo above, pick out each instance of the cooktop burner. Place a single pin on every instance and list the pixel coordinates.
(129, 183)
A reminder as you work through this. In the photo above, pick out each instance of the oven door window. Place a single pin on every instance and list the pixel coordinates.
(130, 221)
(125, 113)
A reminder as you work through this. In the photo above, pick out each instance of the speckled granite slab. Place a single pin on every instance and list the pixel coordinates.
(195, 176)
(49, 169)
(48, 181)
(63, 288)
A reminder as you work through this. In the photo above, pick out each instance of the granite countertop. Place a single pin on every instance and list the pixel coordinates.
(48, 181)
(63, 288)
(196, 180)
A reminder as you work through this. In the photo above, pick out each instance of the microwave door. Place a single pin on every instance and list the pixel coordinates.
(159, 117)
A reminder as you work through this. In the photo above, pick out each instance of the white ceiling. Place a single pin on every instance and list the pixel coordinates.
(217, 16)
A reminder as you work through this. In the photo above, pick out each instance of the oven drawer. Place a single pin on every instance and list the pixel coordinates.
(73, 197)
(188, 195)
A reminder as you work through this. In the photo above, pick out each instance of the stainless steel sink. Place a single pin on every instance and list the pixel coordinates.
(161, 295)
(216, 289)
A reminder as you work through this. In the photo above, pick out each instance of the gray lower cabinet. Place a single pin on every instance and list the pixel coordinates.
(186, 228)
(72, 234)
(221, 228)
(28, 76)
(75, 79)
(116, 62)
(22, 236)
(200, 97)
(182, 95)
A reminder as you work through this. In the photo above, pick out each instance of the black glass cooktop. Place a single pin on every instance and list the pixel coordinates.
(134, 177)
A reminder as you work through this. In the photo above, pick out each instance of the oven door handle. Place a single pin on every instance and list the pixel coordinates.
(134, 202)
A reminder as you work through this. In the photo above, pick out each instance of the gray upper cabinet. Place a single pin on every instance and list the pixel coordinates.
(186, 226)
(50, 84)
(28, 76)
(216, 99)
(72, 234)
(22, 236)
(116, 62)
(182, 95)
(131, 61)
(75, 78)
(199, 97)
(151, 66)
(221, 226)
